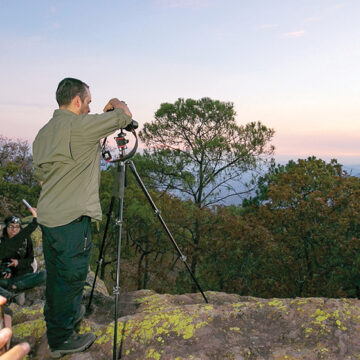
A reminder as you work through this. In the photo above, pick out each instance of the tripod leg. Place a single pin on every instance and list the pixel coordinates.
(108, 217)
(101, 259)
(157, 212)
(119, 221)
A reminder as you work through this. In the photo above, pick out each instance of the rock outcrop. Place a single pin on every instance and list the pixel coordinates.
(179, 327)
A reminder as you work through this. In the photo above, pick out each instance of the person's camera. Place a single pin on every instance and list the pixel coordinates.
(132, 126)
(5, 268)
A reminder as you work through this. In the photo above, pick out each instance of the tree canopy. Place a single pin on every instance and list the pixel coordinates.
(312, 211)
(298, 236)
(16, 177)
(198, 149)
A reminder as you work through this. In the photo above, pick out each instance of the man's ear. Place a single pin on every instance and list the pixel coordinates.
(77, 102)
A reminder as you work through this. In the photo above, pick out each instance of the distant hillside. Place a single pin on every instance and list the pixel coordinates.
(353, 169)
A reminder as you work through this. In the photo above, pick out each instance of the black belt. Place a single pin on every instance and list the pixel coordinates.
(80, 219)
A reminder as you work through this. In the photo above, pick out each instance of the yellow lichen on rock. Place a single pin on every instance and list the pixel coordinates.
(153, 354)
(320, 316)
(34, 328)
(277, 304)
(236, 329)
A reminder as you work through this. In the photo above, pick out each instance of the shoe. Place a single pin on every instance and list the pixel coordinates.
(81, 315)
(74, 344)
(10, 296)
(20, 298)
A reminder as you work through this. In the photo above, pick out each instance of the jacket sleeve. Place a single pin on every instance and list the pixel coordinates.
(39, 172)
(29, 229)
(97, 126)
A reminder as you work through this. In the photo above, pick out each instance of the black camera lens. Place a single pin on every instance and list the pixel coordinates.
(132, 126)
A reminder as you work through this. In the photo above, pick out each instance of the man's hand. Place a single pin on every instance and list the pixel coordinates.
(18, 352)
(117, 104)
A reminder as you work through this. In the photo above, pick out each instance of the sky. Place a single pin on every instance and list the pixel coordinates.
(291, 64)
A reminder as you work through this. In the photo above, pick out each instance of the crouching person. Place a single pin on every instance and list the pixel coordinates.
(17, 259)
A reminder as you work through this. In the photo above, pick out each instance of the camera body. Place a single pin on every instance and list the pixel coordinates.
(132, 126)
(5, 268)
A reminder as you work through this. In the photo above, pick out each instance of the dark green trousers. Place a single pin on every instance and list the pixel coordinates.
(67, 255)
(23, 282)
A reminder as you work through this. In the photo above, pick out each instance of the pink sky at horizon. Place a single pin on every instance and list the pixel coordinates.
(290, 142)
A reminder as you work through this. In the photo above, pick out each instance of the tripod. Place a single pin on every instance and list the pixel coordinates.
(119, 191)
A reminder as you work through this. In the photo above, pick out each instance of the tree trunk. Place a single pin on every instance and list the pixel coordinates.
(139, 271)
(195, 257)
(146, 272)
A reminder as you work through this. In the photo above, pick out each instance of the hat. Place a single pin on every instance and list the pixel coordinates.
(12, 220)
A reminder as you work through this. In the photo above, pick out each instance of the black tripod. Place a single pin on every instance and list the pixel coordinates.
(119, 191)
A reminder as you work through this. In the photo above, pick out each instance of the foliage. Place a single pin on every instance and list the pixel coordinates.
(198, 149)
(298, 236)
(234, 250)
(312, 210)
(16, 177)
(147, 256)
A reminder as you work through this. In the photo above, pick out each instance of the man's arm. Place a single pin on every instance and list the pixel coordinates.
(38, 173)
(97, 126)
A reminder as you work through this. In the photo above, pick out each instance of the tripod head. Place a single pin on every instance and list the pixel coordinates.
(121, 143)
(120, 140)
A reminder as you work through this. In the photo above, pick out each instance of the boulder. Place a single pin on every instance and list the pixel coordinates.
(184, 327)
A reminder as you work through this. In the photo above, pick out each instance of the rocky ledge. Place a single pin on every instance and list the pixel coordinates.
(179, 327)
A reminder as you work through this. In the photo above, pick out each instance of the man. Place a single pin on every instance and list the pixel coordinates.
(66, 155)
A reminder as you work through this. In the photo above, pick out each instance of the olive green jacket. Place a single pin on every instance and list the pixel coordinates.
(66, 154)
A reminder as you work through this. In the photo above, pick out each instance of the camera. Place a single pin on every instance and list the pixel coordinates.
(132, 126)
(5, 269)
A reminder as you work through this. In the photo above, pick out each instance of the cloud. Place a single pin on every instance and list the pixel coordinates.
(34, 40)
(337, 6)
(313, 19)
(268, 26)
(294, 34)
(183, 3)
(223, 34)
